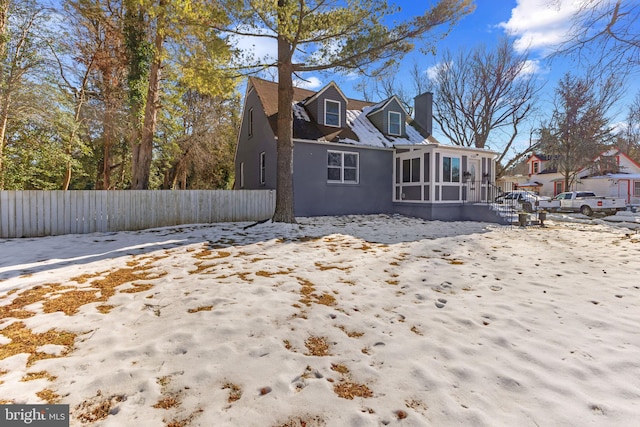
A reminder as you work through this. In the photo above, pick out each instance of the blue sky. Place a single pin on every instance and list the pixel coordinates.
(538, 25)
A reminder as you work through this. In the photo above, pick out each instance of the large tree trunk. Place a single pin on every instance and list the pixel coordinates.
(284, 175)
(142, 151)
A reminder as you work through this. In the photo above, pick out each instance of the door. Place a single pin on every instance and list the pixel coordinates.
(474, 185)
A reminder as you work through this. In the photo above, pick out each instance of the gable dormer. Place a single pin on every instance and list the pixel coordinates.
(535, 164)
(389, 117)
(328, 107)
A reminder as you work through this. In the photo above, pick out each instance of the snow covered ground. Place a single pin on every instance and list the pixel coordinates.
(336, 321)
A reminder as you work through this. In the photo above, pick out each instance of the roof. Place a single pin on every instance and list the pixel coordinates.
(358, 131)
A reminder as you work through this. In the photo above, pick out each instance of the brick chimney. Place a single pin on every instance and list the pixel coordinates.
(423, 111)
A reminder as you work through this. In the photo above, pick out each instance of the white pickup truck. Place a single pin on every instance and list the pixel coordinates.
(585, 202)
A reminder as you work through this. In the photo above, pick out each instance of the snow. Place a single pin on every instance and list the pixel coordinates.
(369, 135)
(443, 323)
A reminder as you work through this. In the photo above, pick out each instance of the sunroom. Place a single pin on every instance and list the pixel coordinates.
(434, 181)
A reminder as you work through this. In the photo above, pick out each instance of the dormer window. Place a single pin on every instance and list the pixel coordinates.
(535, 167)
(395, 127)
(331, 113)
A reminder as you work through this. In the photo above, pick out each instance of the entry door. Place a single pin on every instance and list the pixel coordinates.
(475, 180)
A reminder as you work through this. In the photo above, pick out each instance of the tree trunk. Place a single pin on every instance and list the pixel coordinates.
(4, 120)
(284, 175)
(143, 150)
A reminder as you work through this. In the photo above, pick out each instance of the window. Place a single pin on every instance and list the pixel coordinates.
(395, 127)
(331, 113)
(262, 168)
(450, 169)
(535, 166)
(242, 175)
(342, 167)
(636, 188)
(250, 124)
(411, 170)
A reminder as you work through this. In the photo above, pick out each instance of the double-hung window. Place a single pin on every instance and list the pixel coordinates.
(263, 168)
(395, 127)
(342, 167)
(331, 113)
(636, 188)
(450, 169)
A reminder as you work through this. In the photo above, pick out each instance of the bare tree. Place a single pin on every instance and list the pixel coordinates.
(579, 129)
(628, 139)
(99, 43)
(607, 31)
(483, 91)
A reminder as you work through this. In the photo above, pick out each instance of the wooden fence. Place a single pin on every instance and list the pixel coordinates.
(50, 213)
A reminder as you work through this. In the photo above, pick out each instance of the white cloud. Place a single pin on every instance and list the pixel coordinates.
(432, 71)
(308, 83)
(530, 67)
(262, 48)
(540, 24)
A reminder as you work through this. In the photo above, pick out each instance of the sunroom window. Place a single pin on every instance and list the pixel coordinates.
(450, 169)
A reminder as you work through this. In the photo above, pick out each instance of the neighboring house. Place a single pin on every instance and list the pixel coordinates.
(357, 157)
(612, 173)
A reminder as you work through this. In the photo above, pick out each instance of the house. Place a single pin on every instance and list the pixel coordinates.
(358, 157)
(612, 173)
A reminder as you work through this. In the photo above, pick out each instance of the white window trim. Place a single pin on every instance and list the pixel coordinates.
(342, 180)
(250, 124)
(241, 174)
(263, 168)
(327, 101)
(395, 113)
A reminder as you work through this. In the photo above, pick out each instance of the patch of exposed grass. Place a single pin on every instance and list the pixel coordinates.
(304, 421)
(208, 254)
(324, 267)
(202, 308)
(69, 302)
(30, 296)
(48, 396)
(339, 368)
(350, 334)
(309, 297)
(137, 288)
(235, 392)
(31, 376)
(349, 390)
(167, 402)
(263, 273)
(317, 346)
(105, 308)
(25, 341)
(68, 299)
(97, 408)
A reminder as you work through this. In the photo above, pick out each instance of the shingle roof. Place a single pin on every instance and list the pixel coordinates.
(359, 130)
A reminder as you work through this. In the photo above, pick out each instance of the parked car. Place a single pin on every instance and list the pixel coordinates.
(521, 199)
(585, 202)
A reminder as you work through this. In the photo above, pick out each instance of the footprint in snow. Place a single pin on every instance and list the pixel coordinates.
(440, 303)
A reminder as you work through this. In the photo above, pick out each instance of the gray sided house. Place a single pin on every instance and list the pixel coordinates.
(357, 157)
